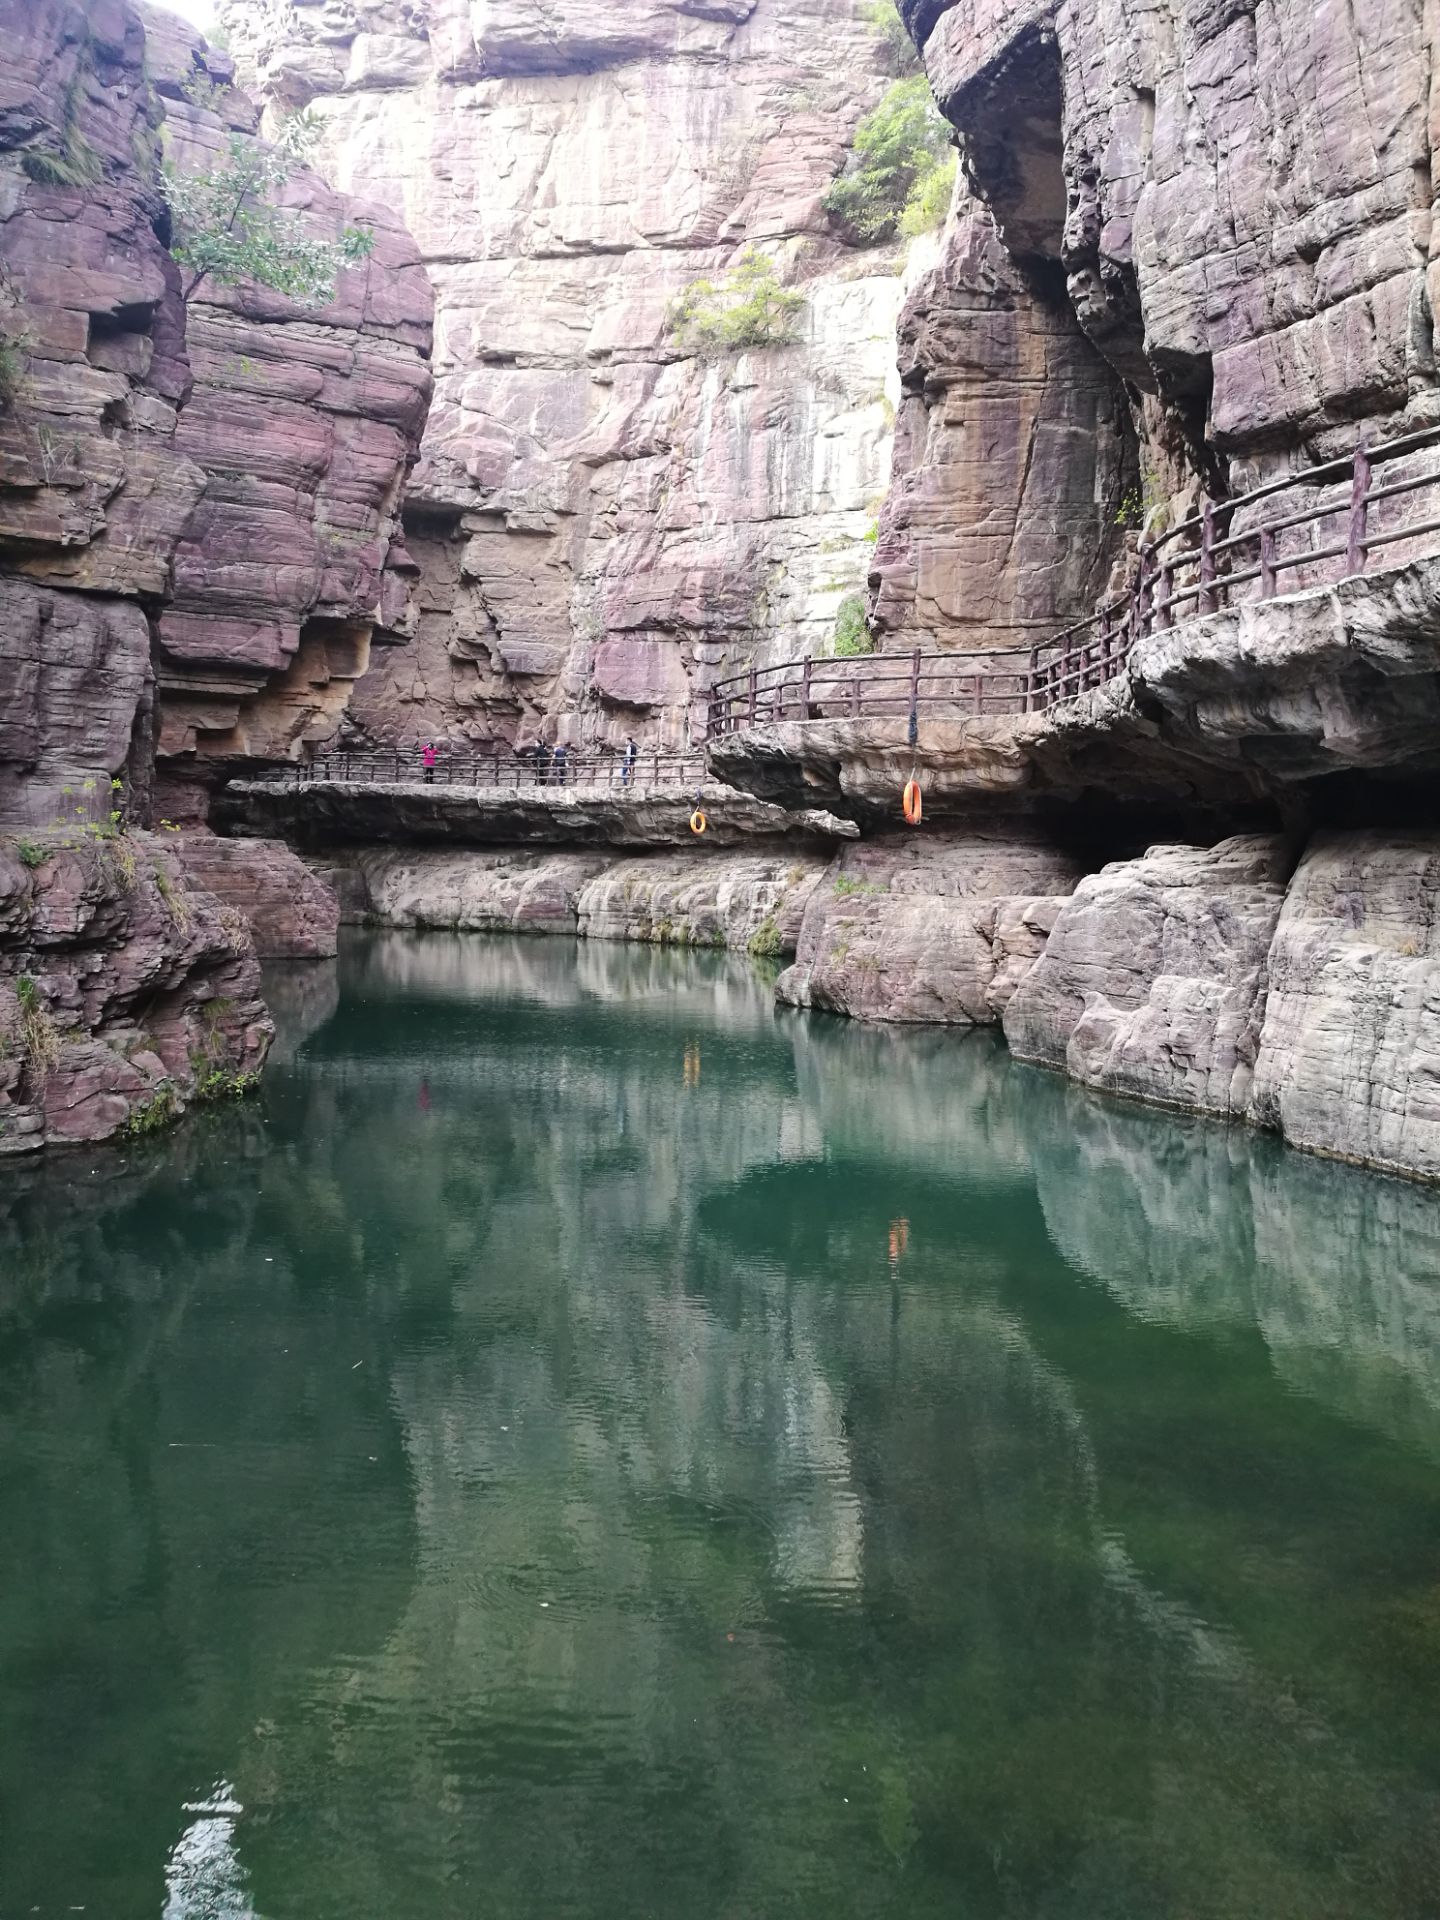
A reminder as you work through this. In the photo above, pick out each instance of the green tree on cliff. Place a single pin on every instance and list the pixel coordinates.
(224, 227)
(902, 169)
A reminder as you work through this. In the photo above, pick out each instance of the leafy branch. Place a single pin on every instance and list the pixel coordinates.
(226, 229)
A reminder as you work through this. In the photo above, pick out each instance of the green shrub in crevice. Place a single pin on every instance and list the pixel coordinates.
(72, 162)
(746, 307)
(161, 1110)
(852, 630)
(765, 943)
(38, 1035)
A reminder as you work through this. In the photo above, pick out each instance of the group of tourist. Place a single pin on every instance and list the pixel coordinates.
(550, 766)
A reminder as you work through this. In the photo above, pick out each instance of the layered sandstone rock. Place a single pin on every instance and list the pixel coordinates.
(1238, 198)
(1013, 455)
(752, 903)
(603, 523)
(221, 485)
(291, 912)
(125, 991)
(1152, 982)
(304, 423)
(409, 812)
(749, 902)
(196, 512)
(1225, 210)
(1349, 1060)
(92, 494)
(904, 929)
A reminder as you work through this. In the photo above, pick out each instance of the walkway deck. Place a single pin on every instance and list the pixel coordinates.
(584, 774)
(1231, 552)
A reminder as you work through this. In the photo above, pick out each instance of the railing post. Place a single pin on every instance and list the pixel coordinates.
(1143, 594)
(1267, 564)
(805, 670)
(1355, 553)
(754, 693)
(1164, 613)
(1031, 678)
(1206, 601)
(854, 695)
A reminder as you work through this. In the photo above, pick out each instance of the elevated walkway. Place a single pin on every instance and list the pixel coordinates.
(1305, 530)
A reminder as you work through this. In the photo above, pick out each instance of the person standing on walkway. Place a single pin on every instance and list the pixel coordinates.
(560, 764)
(428, 757)
(632, 754)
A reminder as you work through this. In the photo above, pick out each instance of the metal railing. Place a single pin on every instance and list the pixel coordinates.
(505, 772)
(1197, 567)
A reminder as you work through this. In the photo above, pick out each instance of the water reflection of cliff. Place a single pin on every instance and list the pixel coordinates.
(1197, 1225)
(589, 1440)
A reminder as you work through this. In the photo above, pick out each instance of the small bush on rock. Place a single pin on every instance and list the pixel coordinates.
(152, 1115)
(852, 629)
(72, 161)
(929, 201)
(765, 943)
(38, 1035)
(748, 307)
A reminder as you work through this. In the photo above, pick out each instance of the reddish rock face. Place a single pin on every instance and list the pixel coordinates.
(196, 509)
(1242, 193)
(588, 485)
(234, 471)
(638, 673)
(292, 913)
(125, 992)
(1013, 452)
(304, 423)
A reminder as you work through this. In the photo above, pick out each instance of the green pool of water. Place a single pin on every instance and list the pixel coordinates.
(583, 1444)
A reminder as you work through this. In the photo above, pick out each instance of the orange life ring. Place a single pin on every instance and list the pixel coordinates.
(912, 803)
(698, 822)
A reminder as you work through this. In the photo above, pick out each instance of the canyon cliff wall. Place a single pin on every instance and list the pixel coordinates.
(1193, 253)
(196, 514)
(604, 522)
(1231, 206)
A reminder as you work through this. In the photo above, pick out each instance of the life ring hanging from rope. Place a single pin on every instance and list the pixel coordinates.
(911, 799)
(698, 822)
